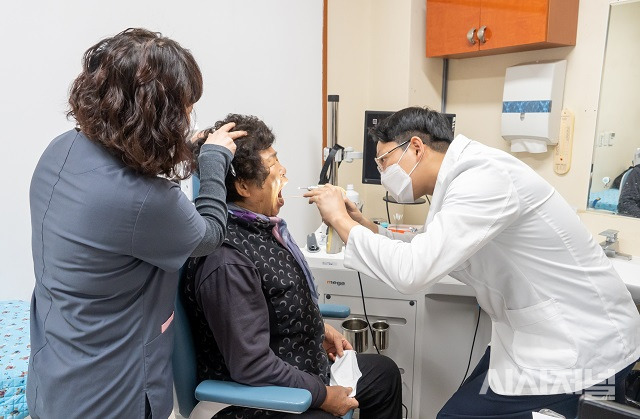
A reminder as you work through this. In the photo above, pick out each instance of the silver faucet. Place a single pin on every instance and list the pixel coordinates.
(611, 245)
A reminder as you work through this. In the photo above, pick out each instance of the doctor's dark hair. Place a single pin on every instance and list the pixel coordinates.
(247, 163)
(432, 127)
(132, 97)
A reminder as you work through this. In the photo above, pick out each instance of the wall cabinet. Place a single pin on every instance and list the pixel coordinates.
(467, 28)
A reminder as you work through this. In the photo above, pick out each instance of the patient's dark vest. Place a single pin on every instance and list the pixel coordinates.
(295, 323)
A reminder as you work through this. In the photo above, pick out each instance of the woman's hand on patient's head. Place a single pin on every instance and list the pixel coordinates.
(225, 137)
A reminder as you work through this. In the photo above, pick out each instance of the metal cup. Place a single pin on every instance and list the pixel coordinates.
(381, 334)
(356, 332)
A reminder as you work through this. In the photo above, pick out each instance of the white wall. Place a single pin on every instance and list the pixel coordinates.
(475, 92)
(257, 57)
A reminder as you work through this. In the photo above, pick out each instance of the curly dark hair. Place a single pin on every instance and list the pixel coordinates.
(246, 164)
(132, 97)
(430, 126)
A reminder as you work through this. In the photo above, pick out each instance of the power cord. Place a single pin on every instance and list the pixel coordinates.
(386, 201)
(472, 345)
(373, 338)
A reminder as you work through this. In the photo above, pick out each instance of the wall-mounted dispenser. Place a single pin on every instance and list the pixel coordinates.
(532, 105)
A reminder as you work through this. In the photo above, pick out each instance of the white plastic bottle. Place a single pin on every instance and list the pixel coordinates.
(352, 195)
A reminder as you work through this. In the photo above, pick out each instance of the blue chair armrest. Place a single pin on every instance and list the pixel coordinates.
(334, 311)
(284, 399)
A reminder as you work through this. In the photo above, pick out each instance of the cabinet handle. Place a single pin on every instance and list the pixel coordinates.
(470, 34)
(481, 34)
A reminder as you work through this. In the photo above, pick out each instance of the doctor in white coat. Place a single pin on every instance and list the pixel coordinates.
(562, 319)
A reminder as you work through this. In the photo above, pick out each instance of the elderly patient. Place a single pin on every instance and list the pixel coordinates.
(253, 304)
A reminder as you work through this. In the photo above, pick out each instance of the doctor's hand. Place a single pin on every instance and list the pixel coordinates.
(338, 402)
(221, 137)
(334, 342)
(357, 216)
(330, 202)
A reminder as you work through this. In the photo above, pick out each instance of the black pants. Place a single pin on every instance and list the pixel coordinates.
(378, 392)
(468, 402)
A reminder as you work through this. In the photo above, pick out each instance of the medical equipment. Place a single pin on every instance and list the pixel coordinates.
(356, 331)
(381, 334)
(429, 335)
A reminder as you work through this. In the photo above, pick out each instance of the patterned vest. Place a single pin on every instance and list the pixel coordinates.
(296, 326)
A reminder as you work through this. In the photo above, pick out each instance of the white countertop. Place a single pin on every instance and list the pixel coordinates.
(629, 271)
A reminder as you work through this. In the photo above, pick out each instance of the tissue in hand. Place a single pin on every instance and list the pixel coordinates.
(345, 371)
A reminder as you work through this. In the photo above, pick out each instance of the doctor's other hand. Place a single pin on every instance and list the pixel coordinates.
(338, 402)
(330, 202)
(357, 216)
(223, 137)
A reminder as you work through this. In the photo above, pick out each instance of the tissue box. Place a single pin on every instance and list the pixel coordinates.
(532, 105)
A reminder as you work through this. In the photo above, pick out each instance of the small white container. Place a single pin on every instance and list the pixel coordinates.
(352, 194)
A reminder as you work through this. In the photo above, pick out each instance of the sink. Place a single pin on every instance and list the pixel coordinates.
(629, 271)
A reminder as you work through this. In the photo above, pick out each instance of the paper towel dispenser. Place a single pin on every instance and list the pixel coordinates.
(532, 104)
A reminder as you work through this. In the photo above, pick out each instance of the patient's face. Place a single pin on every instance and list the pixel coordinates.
(268, 199)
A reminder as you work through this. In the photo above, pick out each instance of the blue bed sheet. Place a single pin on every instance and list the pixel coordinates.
(14, 358)
(606, 199)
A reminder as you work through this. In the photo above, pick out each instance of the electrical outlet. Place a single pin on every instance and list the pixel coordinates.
(611, 136)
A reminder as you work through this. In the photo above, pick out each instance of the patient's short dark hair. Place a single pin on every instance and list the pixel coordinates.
(247, 163)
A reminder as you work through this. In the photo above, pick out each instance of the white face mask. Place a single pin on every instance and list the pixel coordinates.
(398, 182)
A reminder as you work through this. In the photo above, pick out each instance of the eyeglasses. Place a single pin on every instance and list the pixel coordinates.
(380, 159)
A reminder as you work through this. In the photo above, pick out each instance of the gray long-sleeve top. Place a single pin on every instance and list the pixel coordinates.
(213, 163)
(107, 244)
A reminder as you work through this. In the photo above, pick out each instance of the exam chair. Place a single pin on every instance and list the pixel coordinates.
(190, 394)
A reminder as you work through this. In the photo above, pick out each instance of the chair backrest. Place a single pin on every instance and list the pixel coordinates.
(624, 178)
(185, 377)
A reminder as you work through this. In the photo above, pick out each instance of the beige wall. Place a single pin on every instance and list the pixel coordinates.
(376, 61)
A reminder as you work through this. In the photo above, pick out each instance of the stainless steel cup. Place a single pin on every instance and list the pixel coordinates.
(381, 334)
(357, 333)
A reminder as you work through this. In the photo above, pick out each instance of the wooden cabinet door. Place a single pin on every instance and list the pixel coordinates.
(448, 22)
(513, 22)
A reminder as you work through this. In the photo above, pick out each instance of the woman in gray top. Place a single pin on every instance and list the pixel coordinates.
(110, 229)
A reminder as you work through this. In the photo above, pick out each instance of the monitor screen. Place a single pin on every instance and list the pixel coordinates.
(370, 174)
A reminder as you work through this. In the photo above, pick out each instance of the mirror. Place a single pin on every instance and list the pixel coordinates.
(615, 182)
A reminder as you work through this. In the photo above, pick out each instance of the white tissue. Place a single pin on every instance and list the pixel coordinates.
(345, 371)
(528, 145)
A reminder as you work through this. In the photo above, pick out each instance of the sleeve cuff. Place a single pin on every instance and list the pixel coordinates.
(319, 395)
(209, 148)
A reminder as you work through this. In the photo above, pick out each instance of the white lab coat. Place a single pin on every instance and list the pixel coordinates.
(562, 319)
